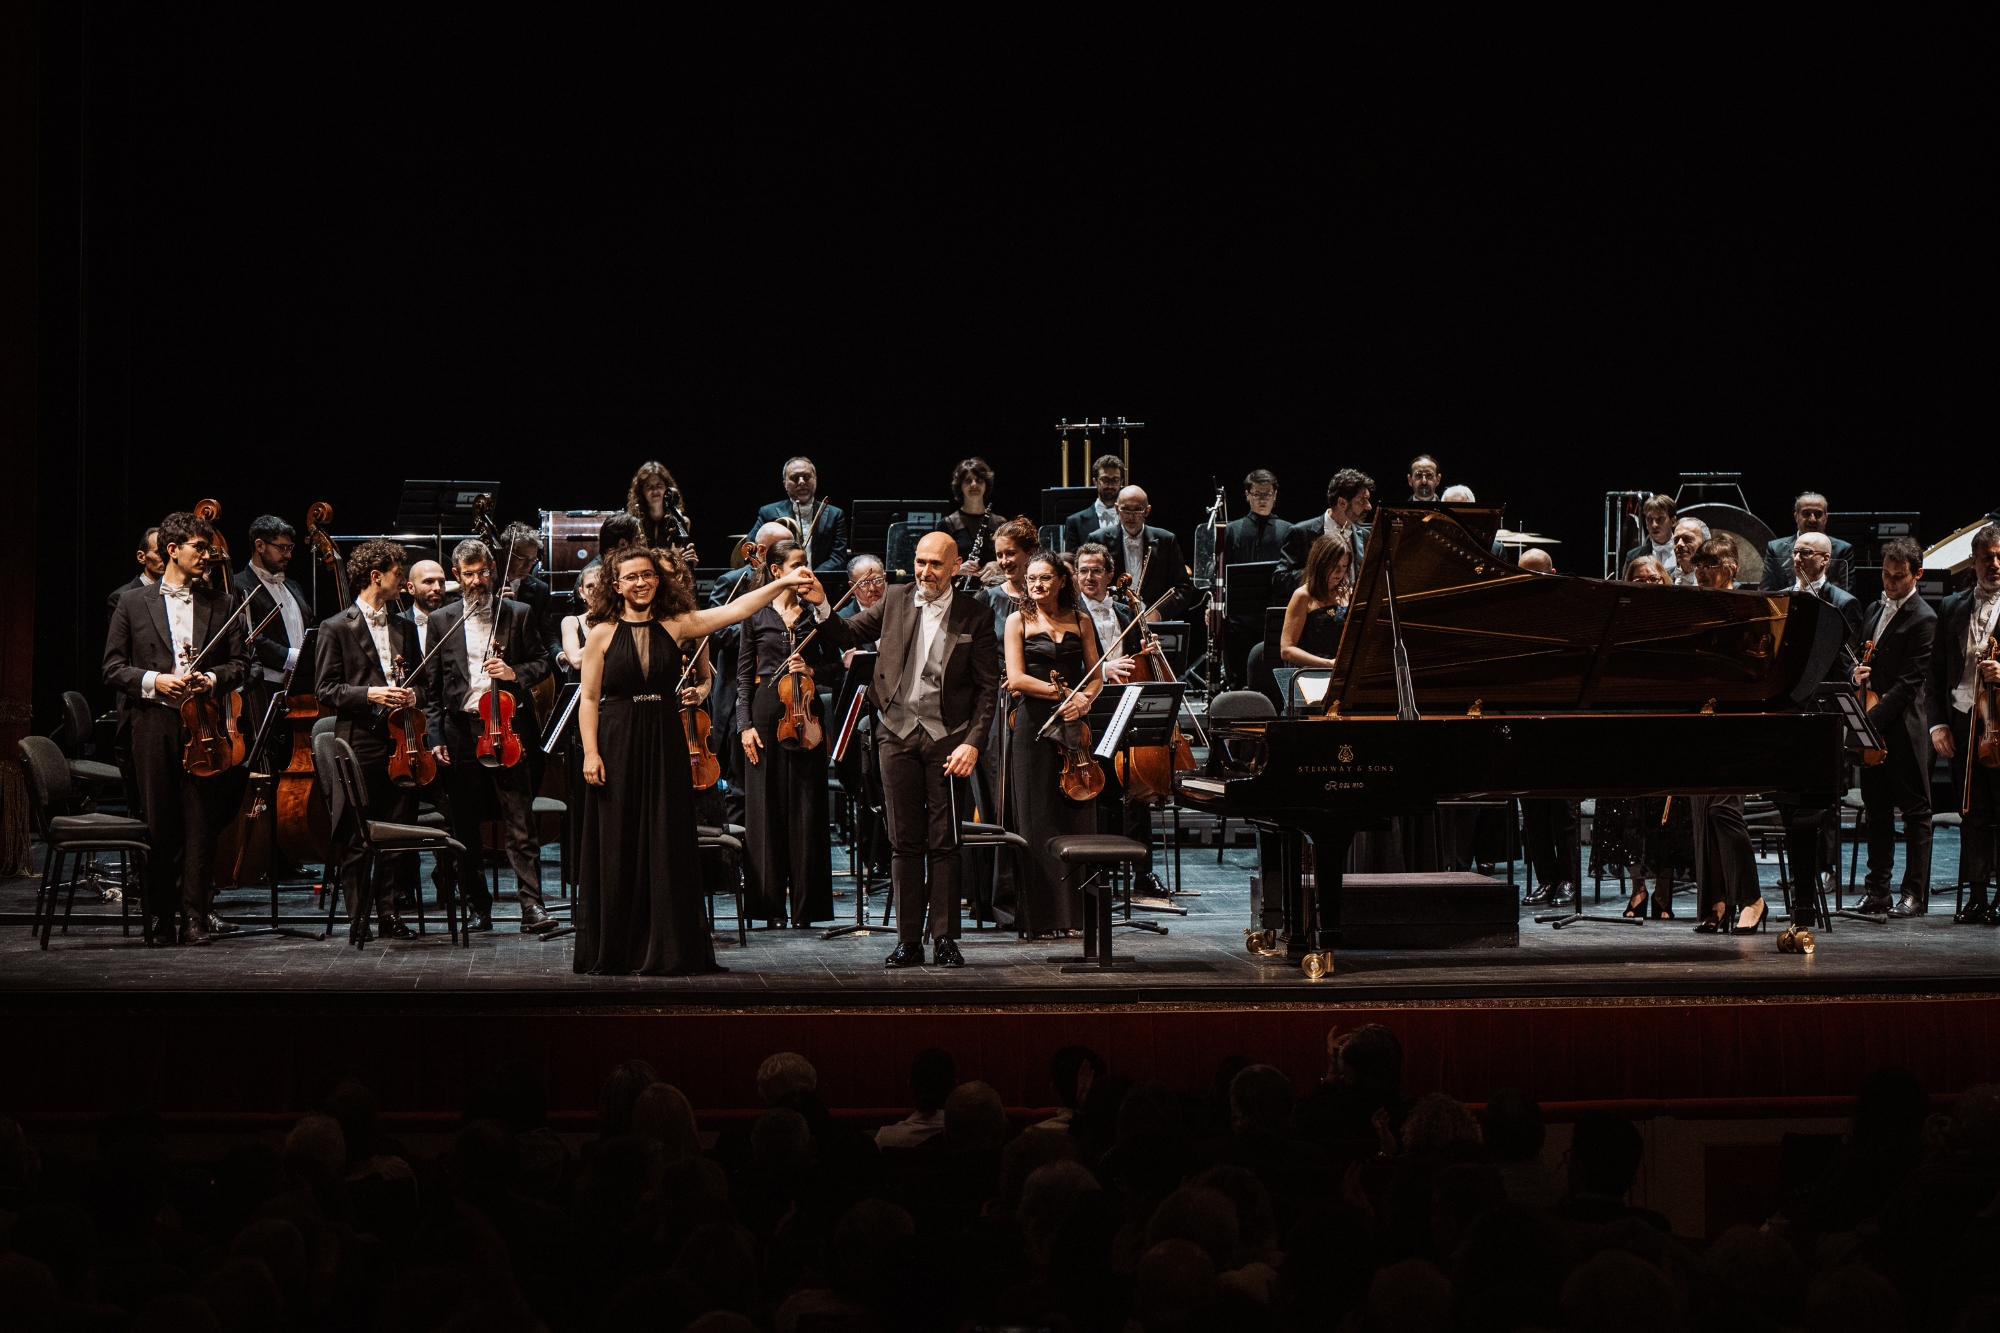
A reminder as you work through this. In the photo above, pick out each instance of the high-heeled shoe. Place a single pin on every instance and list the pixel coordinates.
(1661, 908)
(1763, 911)
(1710, 925)
(1636, 909)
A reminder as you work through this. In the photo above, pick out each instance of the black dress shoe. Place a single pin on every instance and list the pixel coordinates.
(1536, 897)
(948, 954)
(534, 918)
(910, 954)
(217, 926)
(1975, 911)
(1874, 905)
(196, 933)
(391, 928)
(159, 935)
(480, 921)
(1910, 905)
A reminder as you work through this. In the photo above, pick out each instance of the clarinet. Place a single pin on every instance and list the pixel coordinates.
(970, 582)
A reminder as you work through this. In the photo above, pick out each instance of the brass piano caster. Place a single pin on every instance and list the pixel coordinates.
(1795, 939)
(1317, 965)
(1262, 943)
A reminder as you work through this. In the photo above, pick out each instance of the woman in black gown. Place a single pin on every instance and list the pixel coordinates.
(788, 850)
(639, 901)
(1317, 611)
(1046, 636)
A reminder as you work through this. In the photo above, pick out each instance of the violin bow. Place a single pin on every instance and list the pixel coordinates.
(216, 637)
(694, 658)
(1102, 653)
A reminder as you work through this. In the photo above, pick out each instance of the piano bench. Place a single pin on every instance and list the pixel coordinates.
(1107, 858)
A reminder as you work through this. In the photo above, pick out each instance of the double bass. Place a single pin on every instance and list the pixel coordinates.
(1153, 766)
(303, 834)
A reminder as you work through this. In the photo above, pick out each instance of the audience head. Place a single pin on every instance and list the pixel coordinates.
(1615, 1289)
(1108, 472)
(1260, 491)
(1715, 562)
(868, 578)
(1329, 567)
(975, 1120)
(1809, 512)
(1256, 1224)
(620, 1093)
(1199, 1214)
(781, 1142)
(1260, 1101)
(1658, 514)
(662, 1115)
(784, 1074)
(1535, 560)
(1646, 569)
(1171, 1286)
(1604, 1155)
(1437, 1123)
(1371, 1058)
(1049, 1193)
(933, 1075)
(1424, 477)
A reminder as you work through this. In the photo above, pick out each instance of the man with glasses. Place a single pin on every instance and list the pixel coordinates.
(267, 582)
(1809, 514)
(1152, 556)
(158, 635)
(1426, 478)
(1109, 473)
(820, 528)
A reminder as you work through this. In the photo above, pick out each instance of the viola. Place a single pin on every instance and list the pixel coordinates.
(1868, 698)
(411, 763)
(707, 768)
(1151, 772)
(798, 697)
(212, 747)
(1986, 715)
(1082, 779)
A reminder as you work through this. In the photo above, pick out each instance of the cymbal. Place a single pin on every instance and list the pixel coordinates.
(1506, 538)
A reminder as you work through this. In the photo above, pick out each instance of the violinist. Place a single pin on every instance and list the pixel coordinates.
(936, 685)
(423, 589)
(487, 643)
(788, 851)
(156, 632)
(655, 501)
(361, 652)
(1961, 674)
(266, 580)
(820, 527)
(722, 652)
(1051, 648)
(1109, 615)
(1899, 626)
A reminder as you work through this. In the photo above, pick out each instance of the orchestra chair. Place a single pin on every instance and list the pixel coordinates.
(1104, 860)
(89, 777)
(1000, 841)
(50, 790)
(1767, 834)
(1238, 706)
(345, 790)
(728, 840)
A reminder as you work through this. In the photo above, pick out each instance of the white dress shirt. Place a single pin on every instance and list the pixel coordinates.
(1817, 587)
(288, 611)
(478, 640)
(1985, 610)
(179, 598)
(1665, 555)
(1135, 554)
(1107, 514)
(930, 623)
(1889, 609)
(1106, 620)
(378, 626)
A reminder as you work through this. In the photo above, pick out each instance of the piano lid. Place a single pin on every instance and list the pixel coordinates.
(1478, 627)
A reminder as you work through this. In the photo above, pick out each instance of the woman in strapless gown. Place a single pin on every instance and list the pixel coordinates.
(1317, 611)
(640, 906)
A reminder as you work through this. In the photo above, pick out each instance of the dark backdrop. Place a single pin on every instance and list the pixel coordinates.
(301, 255)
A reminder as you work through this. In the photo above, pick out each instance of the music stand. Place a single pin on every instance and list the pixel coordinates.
(1128, 717)
(443, 505)
(854, 707)
(1059, 502)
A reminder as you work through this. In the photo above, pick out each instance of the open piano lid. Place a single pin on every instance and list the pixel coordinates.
(1478, 628)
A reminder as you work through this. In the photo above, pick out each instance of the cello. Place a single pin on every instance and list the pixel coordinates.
(303, 835)
(1153, 766)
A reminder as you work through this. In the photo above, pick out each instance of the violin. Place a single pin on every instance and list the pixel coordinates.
(798, 697)
(1868, 698)
(499, 746)
(411, 763)
(1985, 716)
(1082, 779)
(707, 768)
(214, 743)
(1151, 774)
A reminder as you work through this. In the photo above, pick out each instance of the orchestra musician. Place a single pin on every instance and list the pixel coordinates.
(1811, 555)
(788, 853)
(1902, 627)
(722, 651)
(1013, 542)
(1647, 569)
(1657, 514)
(522, 546)
(1316, 613)
(819, 527)
(353, 667)
(1348, 506)
(150, 564)
(1109, 615)
(266, 581)
(1256, 537)
(1046, 636)
(936, 685)
(496, 648)
(1809, 514)
(1426, 478)
(155, 631)
(640, 895)
(1152, 556)
(1966, 622)
(571, 631)
(1689, 534)
(424, 590)
(1109, 474)
(971, 486)
(1725, 862)
(655, 501)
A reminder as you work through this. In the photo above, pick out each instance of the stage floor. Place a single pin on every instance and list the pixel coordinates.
(1201, 959)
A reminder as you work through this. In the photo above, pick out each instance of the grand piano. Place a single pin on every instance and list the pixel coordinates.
(1461, 677)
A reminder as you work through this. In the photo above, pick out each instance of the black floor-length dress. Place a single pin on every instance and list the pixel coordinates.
(1035, 802)
(639, 904)
(788, 846)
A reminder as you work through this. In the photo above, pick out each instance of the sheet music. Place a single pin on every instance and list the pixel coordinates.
(1108, 744)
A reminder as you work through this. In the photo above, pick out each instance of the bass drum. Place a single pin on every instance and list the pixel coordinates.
(569, 542)
(1752, 536)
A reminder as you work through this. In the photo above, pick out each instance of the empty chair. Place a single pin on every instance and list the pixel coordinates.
(347, 798)
(51, 794)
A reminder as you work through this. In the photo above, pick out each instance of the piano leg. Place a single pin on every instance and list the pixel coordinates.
(1315, 926)
(1807, 829)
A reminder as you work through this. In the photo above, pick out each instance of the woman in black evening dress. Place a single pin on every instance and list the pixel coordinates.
(640, 905)
(1317, 611)
(1048, 635)
(788, 850)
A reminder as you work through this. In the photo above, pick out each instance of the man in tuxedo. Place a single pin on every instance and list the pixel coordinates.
(1811, 555)
(150, 565)
(1657, 514)
(1689, 534)
(820, 528)
(1348, 505)
(487, 643)
(168, 641)
(1150, 555)
(1902, 627)
(522, 546)
(265, 579)
(1959, 665)
(935, 690)
(1109, 616)
(1109, 472)
(1809, 514)
(423, 587)
(360, 652)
